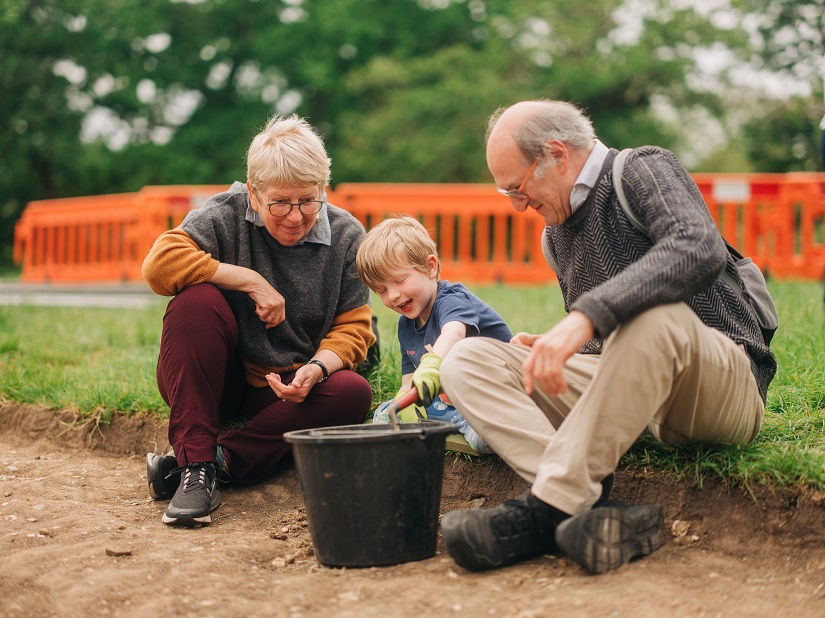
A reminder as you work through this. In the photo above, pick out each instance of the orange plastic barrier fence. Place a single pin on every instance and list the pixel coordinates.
(99, 238)
(778, 219)
(479, 236)
(77, 239)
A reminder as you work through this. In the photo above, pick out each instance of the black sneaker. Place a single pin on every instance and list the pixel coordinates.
(159, 468)
(519, 529)
(196, 497)
(606, 537)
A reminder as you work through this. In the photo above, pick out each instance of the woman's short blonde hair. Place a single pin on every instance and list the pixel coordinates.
(287, 153)
(392, 245)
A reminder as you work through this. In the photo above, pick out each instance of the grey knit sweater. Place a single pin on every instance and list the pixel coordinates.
(611, 272)
(318, 281)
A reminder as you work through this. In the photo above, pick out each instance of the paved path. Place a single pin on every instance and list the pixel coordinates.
(120, 295)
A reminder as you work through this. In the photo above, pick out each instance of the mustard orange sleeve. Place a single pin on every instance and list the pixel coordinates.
(350, 336)
(175, 261)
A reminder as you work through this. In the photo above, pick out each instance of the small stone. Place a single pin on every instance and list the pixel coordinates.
(44, 531)
(291, 557)
(118, 552)
(350, 595)
(679, 528)
(279, 563)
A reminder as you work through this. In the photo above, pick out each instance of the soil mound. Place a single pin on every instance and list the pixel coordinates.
(80, 536)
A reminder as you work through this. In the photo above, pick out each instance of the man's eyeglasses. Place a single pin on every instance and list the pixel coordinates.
(281, 208)
(517, 194)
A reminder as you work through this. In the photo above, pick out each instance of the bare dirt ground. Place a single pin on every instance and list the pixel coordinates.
(79, 536)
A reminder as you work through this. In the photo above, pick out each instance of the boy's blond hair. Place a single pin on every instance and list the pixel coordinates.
(394, 244)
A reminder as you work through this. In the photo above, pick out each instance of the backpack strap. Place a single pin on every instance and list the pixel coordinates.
(549, 257)
(618, 169)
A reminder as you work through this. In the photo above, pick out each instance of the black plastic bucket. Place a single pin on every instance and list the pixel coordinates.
(372, 493)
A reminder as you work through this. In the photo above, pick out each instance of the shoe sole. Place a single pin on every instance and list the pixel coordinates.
(460, 548)
(188, 520)
(473, 547)
(154, 475)
(606, 538)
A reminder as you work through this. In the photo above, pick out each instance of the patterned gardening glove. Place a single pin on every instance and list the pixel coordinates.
(407, 415)
(410, 414)
(427, 378)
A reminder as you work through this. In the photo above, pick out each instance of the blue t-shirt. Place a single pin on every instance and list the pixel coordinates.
(453, 303)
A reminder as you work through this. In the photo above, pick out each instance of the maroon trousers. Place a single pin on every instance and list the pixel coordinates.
(201, 377)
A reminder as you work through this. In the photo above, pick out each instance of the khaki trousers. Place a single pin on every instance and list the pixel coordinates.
(664, 372)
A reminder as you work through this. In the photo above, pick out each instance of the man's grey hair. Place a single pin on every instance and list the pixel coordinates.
(549, 120)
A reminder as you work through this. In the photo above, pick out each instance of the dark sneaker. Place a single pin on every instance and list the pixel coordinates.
(519, 529)
(606, 537)
(196, 497)
(162, 483)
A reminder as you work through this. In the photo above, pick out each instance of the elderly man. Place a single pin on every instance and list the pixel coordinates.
(653, 341)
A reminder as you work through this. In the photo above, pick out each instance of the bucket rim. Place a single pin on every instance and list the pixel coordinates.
(343, 434)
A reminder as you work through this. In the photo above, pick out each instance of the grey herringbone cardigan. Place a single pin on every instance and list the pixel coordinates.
(611, 272)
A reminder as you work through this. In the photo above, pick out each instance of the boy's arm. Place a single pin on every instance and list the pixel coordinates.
(451, 333)
(427, 378)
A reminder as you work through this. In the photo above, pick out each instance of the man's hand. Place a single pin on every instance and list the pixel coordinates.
(526, 339)
(550, 351)
(427, 378)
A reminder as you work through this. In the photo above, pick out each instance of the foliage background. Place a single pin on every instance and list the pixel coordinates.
(107, 96)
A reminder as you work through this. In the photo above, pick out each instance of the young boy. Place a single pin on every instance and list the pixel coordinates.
(399, 261)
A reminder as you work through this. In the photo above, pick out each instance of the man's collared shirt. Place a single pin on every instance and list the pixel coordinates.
(588, 176)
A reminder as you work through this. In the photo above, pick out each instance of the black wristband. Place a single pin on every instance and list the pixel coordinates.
(323, 369)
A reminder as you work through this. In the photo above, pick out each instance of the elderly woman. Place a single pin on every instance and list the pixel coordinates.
(268, 320)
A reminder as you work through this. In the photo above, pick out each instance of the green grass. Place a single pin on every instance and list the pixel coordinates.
(99, 362)
(790, 448)
(87, 360)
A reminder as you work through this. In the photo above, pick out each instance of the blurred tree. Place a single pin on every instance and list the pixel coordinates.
(784, 137)
(423, 119)
(792, 34)
(107, 96)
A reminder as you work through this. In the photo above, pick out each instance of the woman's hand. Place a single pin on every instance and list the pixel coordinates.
(296, 391)
(270, 306)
